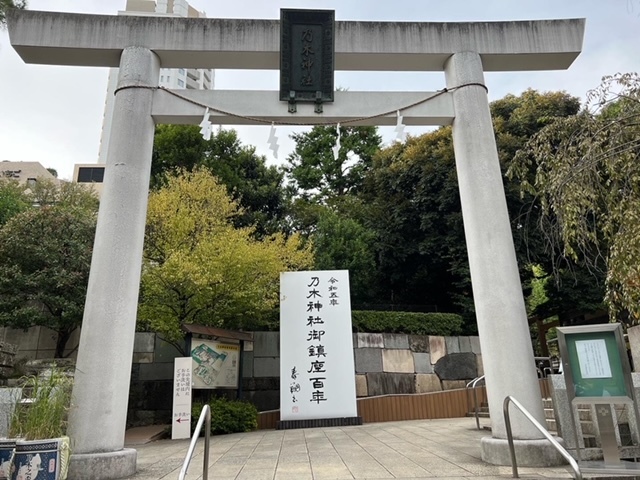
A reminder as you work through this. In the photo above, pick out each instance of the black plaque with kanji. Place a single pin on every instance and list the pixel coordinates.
(307, 46)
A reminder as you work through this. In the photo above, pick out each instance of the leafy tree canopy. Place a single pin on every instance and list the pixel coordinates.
(411, 192)
(587, 183)
(315, 173)
(5, 5)
(13, 200)
(256, 186)
(320, 183)
(63, 194)
(45, 256)
(199, 268)
(345, 244)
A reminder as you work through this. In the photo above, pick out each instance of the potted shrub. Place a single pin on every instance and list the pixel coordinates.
(39, 426)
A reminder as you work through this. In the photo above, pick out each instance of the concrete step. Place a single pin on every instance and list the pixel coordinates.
(480, 414)
(483, 411)
(587, 427)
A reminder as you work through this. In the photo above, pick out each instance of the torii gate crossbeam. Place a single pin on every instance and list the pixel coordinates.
(141, 45)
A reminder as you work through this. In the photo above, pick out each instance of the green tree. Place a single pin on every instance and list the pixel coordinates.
(13, 200)
(45, 256)
(199, 268)
(587, 184)
(344, 244)
(64, 194)
(412, 192)
(413, 196)
(569, 288)
(257, 187)
(5, 5)
(314, 172)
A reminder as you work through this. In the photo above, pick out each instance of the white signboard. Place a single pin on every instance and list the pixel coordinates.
(181, 421)
(593, 358)
(317, 374)
(215, 364)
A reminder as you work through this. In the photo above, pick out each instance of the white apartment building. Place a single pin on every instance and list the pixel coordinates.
(174, 78)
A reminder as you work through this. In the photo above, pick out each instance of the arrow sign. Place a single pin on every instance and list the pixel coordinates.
(181, 419)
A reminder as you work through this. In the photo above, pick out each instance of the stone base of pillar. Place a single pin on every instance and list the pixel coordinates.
(103, 466)
(529, 453)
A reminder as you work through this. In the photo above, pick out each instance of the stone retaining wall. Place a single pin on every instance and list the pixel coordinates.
(384, 364)
(388, 363)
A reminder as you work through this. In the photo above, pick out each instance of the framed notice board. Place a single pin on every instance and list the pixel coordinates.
(595, 363)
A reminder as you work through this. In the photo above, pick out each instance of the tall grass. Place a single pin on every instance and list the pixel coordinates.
(44, 414)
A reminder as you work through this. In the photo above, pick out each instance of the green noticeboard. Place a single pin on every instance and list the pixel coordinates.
(595, 362)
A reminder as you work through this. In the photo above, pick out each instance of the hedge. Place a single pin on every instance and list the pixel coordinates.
(446, 324)
(227, 416)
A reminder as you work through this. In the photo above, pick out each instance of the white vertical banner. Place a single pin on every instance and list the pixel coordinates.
(181, 418)
(317, 374)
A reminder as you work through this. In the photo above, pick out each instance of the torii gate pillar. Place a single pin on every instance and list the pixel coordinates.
(103, 369)
(500, 312)
(463, 51)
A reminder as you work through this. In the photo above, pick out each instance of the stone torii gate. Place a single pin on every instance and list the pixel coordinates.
(141, 45)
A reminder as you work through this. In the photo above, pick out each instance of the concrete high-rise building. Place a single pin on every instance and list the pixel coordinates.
(25, 172)
(175, 78)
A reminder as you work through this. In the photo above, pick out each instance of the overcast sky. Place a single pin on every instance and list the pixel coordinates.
(53, 114)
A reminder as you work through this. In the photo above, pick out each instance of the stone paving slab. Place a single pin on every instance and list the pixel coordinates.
(418, 449)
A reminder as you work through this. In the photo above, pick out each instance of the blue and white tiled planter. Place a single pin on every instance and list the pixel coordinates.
(41, 459)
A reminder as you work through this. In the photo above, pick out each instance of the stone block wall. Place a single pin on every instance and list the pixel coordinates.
(37, 343)
(151, 388)
(388, 363)
(384, 364)
(261, 371)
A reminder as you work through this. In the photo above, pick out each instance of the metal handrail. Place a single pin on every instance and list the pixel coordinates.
(205, 417)
(472, 384)
(541, 429)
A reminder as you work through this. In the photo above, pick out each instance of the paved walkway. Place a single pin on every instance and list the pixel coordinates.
(418, 449)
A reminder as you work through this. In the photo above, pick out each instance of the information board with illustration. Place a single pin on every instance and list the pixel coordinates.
(215, 364)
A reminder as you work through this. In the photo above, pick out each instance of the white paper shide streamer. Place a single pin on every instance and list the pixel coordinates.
(399, 127)
(205, 126)
(336, 148)
(273, 141)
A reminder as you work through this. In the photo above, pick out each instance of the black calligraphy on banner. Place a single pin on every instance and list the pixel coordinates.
(294, 387)
(333, 292)
(315, 348)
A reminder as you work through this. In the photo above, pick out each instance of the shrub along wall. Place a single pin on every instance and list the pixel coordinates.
(445, 324)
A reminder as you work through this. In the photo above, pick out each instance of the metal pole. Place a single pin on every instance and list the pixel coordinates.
(240, 369)
(207, 435)
(205, 418)
(512, 449)
(541, 429)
